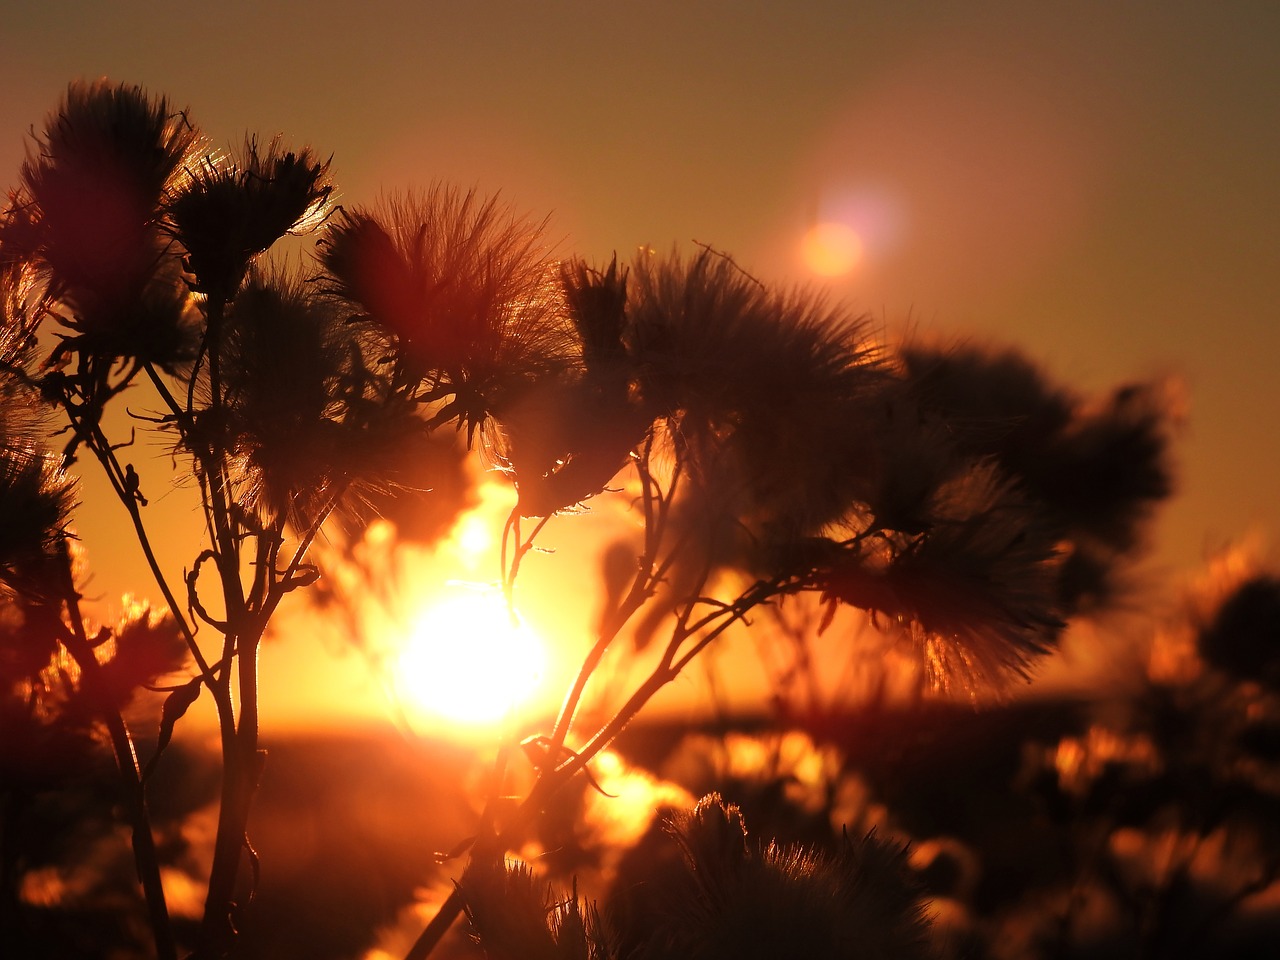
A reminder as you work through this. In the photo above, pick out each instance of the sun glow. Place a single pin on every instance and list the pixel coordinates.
(831, 249)
(468, 659)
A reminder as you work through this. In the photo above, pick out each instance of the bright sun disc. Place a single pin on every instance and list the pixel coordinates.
(831, 249)
(468, 660)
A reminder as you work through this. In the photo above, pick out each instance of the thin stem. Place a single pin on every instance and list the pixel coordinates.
(241, 760)
(656, 512)
(437, 927)
(551, 779)
(111, 467)
(759, 593)
(522, 548)
(145, 855)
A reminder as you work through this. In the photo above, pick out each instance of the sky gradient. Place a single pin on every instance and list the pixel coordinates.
(1098, 184)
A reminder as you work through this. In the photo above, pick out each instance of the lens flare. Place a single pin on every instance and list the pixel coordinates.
(831, 249)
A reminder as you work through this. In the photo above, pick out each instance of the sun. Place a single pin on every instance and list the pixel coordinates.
(468, 659)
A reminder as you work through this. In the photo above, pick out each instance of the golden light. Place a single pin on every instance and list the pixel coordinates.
(468, 659)
(831, 249)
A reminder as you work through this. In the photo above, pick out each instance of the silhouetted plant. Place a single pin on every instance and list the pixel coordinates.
(1243, 638)
(728, 898)
(771, 449)
(141, 242)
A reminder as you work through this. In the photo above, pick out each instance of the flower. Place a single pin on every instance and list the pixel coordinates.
(21, 307)
(512, 917)
(976, 592)
(1096, 469)
(230, 210)
(735, 899)
(36, 498)
(96, 184)
(308, 416)
(1242, 638)
(464, 290)
(765, 392)
(568, 434)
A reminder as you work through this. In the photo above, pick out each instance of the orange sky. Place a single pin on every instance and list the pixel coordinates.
(1096, 182)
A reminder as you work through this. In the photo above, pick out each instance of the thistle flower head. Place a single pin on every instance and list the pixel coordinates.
(564, 440)
(713, 841)
(21, 307)
(735, 901)
(36, 498)
(162, 325)
(567, 434)
(145, 647)
(96, 180)
(767, 395)
(1242, 638)
(513, 916)
(308, 417)
(1096, 470)
(976, 592)
(597, 304)
(464, 289)
(231, 209)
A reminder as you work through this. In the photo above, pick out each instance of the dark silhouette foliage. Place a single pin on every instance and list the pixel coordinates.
(768, 446)
(1243, 638)
(725, 899)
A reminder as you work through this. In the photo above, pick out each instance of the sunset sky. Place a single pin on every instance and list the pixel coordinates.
(1097, 183)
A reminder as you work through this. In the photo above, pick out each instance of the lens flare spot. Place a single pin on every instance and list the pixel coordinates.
(468, 659)
(831, 249)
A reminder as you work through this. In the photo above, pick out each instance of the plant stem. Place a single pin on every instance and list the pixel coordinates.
(552, 779)
(145, 856)
(240, 757)
(643, 585)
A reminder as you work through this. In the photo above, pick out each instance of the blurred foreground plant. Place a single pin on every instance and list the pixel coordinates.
(727, 898)
(769, 446)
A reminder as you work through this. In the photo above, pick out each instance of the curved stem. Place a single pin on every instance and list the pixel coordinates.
(656, 510)
(243, 761)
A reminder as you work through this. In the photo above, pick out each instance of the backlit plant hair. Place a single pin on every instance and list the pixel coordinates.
(766, 445)
(96, 182)
(463, 287)
(231, 209)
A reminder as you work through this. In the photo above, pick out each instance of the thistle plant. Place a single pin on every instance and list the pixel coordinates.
(772, 448)
(140, 241)
(778, 451)
(729, 896)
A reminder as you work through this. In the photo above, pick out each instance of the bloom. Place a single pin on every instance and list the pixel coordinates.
(464, 290)
(977, 591)
(95, 187)
(308, 416)
(230, 210)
